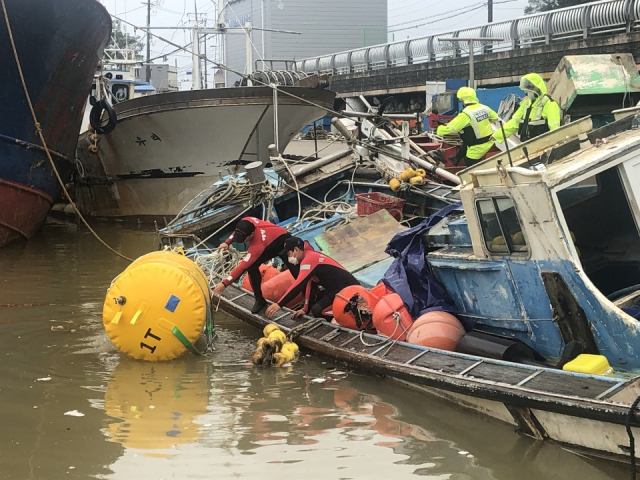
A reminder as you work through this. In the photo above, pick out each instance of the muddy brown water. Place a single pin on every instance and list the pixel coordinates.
(72, 407)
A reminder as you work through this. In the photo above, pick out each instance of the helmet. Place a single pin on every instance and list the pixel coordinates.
(467, 95)
(532, 82)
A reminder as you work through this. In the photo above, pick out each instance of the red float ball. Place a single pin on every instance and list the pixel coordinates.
(438, 329)
(365, 300)
(391, 317)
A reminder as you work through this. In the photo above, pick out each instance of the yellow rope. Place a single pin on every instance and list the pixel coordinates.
(42, 140)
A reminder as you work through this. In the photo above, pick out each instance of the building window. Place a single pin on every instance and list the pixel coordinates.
(500, 226)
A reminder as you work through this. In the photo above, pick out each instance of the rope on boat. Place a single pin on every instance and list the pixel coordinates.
(632, 440)
(43, 141)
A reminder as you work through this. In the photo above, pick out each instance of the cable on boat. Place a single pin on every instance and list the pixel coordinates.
(43, 141)
(632, 440)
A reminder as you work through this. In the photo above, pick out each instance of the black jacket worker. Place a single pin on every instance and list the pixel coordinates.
(315, 269)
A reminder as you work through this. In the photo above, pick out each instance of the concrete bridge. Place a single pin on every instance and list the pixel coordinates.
(535, 43)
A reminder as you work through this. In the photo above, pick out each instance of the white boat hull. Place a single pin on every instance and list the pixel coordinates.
(167, 148)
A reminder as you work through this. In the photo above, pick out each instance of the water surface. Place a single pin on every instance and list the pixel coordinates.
(72, 407)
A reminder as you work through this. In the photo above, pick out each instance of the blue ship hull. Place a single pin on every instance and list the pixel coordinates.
(59, 44)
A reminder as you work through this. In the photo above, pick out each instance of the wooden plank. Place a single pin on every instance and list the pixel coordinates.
(563, 384)
(444, 363)
(511, 375)
(360, 243)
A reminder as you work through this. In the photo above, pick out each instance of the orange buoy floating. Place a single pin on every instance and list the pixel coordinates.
(391, 318)
(436, 329)
(266, 271)
(358, 298)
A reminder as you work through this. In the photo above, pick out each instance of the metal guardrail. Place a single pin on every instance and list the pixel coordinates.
(606, 17)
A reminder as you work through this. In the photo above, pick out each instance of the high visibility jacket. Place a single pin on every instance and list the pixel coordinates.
(533, 118)
(474, 126)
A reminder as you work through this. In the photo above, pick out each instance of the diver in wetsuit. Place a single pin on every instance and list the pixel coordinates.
(316, 270)
(266, 241)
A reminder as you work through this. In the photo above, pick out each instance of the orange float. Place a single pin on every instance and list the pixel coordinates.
(437, 329)
(391, 318)
(380, 290)
(345, 299)
(274, 288)
(266, 271)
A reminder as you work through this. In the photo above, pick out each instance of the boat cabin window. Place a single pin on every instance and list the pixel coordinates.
(501, 227)
(603, 230)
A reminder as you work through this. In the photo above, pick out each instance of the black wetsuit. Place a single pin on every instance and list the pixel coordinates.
(318, 269)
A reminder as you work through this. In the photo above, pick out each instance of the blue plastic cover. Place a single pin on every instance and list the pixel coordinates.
(410, 275)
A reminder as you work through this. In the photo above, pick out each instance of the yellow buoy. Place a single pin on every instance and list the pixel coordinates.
(407, 175)
(157, 307)
(395, 184)
(417, 180)
(270, 328)
(421, 172)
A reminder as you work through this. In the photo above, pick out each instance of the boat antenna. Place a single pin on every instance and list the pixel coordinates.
(506, 141)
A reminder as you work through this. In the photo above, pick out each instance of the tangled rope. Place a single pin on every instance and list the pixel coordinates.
(217, 265)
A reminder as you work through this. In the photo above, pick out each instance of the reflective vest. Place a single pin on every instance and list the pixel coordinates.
(479, 129)
(533, 124)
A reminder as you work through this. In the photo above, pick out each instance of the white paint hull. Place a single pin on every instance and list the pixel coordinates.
(592, 437)
(168, 148)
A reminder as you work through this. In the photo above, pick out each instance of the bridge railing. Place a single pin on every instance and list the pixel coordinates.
(601, 18)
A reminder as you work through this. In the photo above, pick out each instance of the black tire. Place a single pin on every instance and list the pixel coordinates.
(100, 125)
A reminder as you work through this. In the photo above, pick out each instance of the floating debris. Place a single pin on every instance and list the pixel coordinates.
(74, 413)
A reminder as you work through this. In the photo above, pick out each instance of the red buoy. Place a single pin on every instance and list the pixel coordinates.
(391, 318)
(348, 301)
(266, 271)
(274, 288)
(380, 290)
(438, 329)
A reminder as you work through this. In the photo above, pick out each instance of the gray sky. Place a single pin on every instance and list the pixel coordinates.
(438, 16)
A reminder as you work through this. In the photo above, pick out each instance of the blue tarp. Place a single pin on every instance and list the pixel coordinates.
(634, 312)
(409, 275)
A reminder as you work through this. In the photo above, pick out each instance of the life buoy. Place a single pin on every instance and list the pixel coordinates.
(95, 117)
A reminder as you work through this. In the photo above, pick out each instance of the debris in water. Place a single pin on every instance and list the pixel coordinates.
(318, 380)
(74, 413)
(43, 379)
(463, 452)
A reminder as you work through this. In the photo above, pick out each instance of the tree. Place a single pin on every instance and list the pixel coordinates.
(121, 39)
(546, 5)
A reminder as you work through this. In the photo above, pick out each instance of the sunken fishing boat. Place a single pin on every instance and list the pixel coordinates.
(57, 46)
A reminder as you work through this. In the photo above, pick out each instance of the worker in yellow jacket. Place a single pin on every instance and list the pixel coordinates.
(538, 112)
(474, 126)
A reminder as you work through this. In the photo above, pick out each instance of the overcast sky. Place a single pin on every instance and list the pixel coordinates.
(407, 19)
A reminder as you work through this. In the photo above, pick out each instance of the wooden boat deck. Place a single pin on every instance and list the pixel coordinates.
(515, 385)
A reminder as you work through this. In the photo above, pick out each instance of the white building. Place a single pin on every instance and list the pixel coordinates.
(325, 26)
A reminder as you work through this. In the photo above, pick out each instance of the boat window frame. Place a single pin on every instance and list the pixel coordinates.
(511, 251)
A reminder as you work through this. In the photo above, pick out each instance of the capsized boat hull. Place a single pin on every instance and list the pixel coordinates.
(167, 148)
(59, 45)
(582, 412)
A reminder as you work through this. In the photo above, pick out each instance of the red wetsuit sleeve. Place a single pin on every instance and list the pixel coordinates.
(254, 252)
(298, 286)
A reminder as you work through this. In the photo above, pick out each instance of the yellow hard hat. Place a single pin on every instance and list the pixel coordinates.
(467, 95)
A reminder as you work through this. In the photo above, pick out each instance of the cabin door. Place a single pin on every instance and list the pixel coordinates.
(630, 174)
